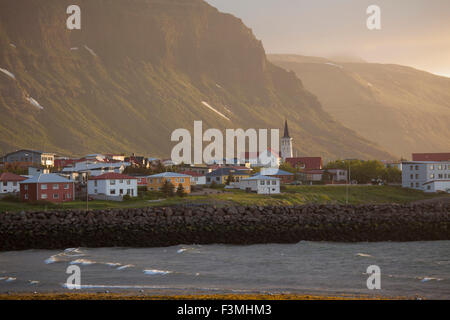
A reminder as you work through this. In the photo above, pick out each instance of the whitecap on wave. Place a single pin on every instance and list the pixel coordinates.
(156, 272)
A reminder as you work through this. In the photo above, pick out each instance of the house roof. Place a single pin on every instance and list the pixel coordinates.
(112, 176)
(260, 177)
(227, 170)
(169, 175)
(275, 172)
(192, 173)
(309, 162)
(431, 156)
(46, 178)
(8, 176)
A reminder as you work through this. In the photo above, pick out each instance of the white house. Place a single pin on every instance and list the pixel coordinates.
(260, 184)
(113, 185)
(10, 182)
(418, 175)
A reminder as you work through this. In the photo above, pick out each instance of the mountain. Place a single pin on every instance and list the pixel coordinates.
(139, 69)
(402, 109)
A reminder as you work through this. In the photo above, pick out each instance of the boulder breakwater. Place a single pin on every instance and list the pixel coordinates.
(166, 226)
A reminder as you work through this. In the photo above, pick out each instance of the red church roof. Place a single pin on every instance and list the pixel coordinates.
(309, 163)
(112, 176)
(8, 176)
(431, 156)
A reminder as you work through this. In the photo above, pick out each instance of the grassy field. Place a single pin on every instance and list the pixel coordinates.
(291, 196)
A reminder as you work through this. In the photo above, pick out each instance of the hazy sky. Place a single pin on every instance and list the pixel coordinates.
(413, 32)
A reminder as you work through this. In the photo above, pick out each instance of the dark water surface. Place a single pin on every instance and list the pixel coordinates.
(407, 269)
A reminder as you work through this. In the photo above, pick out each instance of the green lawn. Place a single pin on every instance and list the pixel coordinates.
(293, 195)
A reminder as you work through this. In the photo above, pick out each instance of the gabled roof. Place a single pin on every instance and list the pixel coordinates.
(260, 177)
(47, 178)
(192, 173)
(275, 172)
(8, 176)
(169, 175)
(112, 176)
(309, 162)
(227, 170)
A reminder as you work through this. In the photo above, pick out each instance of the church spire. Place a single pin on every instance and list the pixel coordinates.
(286, 130)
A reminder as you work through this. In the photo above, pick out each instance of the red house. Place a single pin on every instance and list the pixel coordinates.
(307, 163)
(48, 187)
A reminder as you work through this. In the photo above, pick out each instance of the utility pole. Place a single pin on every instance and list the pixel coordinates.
(87, 190)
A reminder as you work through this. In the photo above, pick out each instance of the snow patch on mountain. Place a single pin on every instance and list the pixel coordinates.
(34, 103)
(90, 51)
(334, 65)
(74, 48)
(13, 45)
(9, 74)
(206, 104)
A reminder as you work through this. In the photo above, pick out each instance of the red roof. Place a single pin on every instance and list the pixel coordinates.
(8, 176)
(309, 163)
(112, 176)
(431, 156)
(192, 173)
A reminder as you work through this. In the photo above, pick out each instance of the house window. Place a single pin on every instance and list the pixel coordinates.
(112, 191)
(43, 196)
(128, 182)
(55, 186)
(182, 180)
(14, 184)
(55, 196)
(440, 176)
(417, 167)
(95, 191)
(274, 183)
(412, 185)
(121, 181)
(417, 184)
(412, 176)
(411, 167)
(417, 176)
(43, 186)
(439, 167)
(95, 183)
(432, 167)
(66, 186)
(262, 182)
(26, 196)
(25, 187)
(112, 182)
(428, 187)
(432, 176)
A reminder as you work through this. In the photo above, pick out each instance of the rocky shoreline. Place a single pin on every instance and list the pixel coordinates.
(166, 226)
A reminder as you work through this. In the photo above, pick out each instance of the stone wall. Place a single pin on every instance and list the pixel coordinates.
(165, 226)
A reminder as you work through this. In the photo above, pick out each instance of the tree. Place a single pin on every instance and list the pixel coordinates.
(285, 166)
(168, 189)
(230, 179)
(180, 191)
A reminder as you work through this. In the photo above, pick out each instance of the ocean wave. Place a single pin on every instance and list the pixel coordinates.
(156, 272)
(83, 262)
(364, 255)
(125, 267)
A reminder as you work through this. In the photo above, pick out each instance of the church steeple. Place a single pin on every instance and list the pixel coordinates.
(286, 143)
(286, 130)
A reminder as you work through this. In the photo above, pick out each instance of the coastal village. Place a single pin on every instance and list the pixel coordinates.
(36, 176)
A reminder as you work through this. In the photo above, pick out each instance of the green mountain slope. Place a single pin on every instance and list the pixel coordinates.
(139, 69)
(402, 109)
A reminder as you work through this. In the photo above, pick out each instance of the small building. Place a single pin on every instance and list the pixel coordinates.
(220, 176)
(337, 175)
(156, 181)
(112, 185)
(392, 164)
(196, 177)
(260, 184)
(437, 186)
(48, 187)
(10, 182)
(284, 176)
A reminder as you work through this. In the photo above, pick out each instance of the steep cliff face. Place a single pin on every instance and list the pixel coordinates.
(139, 69)
(402, 109)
